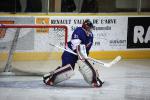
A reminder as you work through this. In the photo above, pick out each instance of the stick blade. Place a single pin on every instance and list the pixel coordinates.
(116, 60)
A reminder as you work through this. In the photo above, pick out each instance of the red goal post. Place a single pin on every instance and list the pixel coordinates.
(18, 27)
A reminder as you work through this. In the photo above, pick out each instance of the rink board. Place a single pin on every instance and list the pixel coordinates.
(113, 35)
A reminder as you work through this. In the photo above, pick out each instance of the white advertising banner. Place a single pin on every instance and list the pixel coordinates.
(110, 32)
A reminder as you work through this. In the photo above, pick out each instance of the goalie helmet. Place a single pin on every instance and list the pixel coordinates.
(87, 25)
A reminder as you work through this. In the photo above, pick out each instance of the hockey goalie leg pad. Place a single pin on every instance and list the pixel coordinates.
(63, 73)
(89, 74)
(59, 75)
(86, 71)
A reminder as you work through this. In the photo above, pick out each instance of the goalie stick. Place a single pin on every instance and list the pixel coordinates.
(114, 61)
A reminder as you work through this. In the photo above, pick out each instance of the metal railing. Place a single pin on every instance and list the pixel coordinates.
(48, 6)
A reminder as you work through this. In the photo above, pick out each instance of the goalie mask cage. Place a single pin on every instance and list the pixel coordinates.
(25, 49)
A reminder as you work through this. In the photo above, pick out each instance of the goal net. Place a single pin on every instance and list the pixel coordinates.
(25, 48)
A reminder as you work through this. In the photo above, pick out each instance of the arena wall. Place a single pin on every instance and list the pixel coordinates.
(127, 35)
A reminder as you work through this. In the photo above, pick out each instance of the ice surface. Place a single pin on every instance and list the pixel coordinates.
(127, 80)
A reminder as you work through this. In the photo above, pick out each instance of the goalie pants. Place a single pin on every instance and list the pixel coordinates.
(68, 58)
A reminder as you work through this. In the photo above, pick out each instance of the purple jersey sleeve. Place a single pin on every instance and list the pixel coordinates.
(77, 33)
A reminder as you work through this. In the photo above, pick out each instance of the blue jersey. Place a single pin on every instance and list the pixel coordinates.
(79, 35)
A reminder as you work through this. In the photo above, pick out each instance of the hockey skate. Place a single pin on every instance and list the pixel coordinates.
(48, 78)
(97, 83)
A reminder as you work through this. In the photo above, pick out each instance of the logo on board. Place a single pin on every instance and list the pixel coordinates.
(138, 35)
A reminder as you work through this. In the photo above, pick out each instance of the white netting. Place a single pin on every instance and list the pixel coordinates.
(32, 50)
(57, 36)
